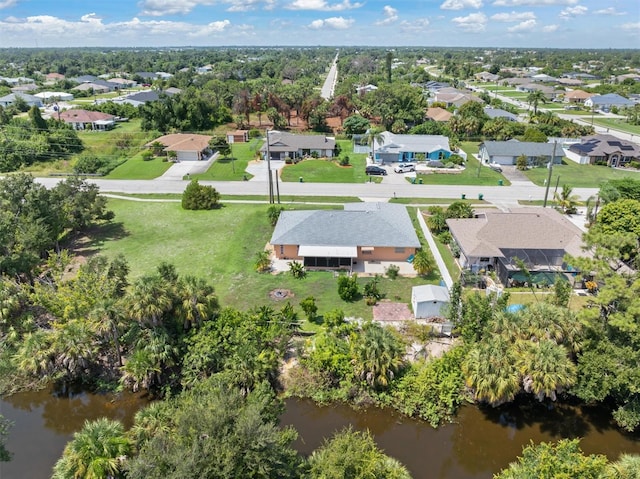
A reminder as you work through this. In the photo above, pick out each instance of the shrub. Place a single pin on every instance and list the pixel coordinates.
(445, 237)
(456, 159)
(348, 287)
(450, 165)
(371, 291)
(296, 268)
(200, 197)
(344, 160)
(309, 307)
(635, 164)
(274, 213)
(392, 271)
(333, 318)
(255, 133)
(147, 155)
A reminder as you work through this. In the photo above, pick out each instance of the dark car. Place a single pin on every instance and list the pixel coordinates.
(375, 170)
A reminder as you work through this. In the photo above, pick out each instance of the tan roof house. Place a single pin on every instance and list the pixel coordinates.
(577, 96)
(540, 237)
(87, 120)
(188, 146)
(438, 114)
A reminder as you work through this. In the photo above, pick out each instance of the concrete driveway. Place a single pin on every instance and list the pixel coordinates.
(179, 170)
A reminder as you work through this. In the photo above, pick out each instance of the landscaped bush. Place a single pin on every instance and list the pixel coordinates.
(94, 165)
(344, 160)
(200, 197)
(348, 287)
(635, 164)
(255, 133)
(392, 271)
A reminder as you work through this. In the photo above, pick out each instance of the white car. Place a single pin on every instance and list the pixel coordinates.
(404, 167)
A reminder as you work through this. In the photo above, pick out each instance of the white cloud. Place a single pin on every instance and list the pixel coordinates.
(390, 16)
(323, 5)
(415, 26)
(609, 11)
(550, 28)
(534, 3)
(460, 4)
(8, 3)
(631, 26)
(526, 26)
(474, 23)
(513, 17)
(333, 23)
(157, 8)
(244, 5)
(571, 12)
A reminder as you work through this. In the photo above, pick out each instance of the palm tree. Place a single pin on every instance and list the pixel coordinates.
(150, 421)
(74, 347)
(545, 368)
(490, 371)
(626, 467)
(263, 261)
(534, 98)
(377, 355)
(197, 300)
(566, 202)
(150, 300)
(423, 262)
(373, 136)
(97, 451)
(107, 317)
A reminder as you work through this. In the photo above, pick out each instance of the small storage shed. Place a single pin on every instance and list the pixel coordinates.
(238, 136)
(429, 300)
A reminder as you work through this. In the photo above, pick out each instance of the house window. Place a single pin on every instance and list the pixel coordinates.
(367, 251)
(399, 250)
(484, 260)
(281, 249)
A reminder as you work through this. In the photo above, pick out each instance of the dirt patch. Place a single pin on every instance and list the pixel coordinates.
(387, 312)
(280, 294)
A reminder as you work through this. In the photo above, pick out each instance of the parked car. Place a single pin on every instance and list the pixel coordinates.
(404, 168)
(495, 167)
(375, 170)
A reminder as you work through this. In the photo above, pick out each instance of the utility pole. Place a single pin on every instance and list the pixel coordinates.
(269, 169)
(546, 191)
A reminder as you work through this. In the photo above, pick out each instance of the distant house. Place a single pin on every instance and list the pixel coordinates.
(507, 152)
(577, 96)
(361, 90)
(27, 87)
(93, 87)
(493, 113)
(50, 96)
(438, 114)
(87, 120)
(188, 146)
(541, 77)
(486, 77)
(123, 82)
(54, 77)
(11, 98)
(238, 136)
(393, 148)
(333, 239)
(608, 101)
(283, 145)
(434, 86)
(603, 150)
(429, 301)
(454, 97)
(539, 237)
(549, 92)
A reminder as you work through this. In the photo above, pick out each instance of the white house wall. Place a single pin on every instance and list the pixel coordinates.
(187, 156)
(581, 160)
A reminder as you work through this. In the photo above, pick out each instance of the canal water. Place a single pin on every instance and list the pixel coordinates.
(480, 443)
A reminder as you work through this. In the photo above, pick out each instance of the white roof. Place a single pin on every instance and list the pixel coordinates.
(430, 292)
(328, 251)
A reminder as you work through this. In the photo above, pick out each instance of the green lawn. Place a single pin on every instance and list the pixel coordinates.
(137, 169)
(578, 176)
(617, 124)
(473, 174)
(330, 171)
(220, 246)
(253, 198)
(232, 168)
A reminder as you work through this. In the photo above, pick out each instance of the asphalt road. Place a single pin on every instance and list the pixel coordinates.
(498, 195)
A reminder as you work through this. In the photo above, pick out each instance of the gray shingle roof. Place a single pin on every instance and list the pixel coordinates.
(359, 224)
(280, 141)
(517, 148)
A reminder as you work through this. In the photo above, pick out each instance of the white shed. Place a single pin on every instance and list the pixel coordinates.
(429, 300)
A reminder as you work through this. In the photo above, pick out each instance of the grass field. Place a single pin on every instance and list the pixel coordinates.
(578, 176)
(616, 123)
(137, 169)
(473, 174)
(220, 246)
(330, 171)
(232, 168)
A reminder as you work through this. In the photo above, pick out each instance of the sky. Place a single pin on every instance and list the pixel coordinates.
(456, 23)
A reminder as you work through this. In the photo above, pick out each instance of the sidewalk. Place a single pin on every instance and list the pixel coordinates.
(444, 272)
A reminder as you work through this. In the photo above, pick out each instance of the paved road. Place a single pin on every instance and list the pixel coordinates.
(330, 82)
(499, 195)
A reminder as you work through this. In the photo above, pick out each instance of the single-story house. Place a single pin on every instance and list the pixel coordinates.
(493, 113)
(395, 148)
(577, 96)
(452, 96)
(361, 90)
(486, 76)
(11, 98)
(608, 101)
(433, 86)
(93, 87)
(542, 77)
(540, 237)
(188, 146)
(438, 114)
(123, 82)
(548, 91)
(334, 239)
(54, 76)
(50, 96)
(507, 152)
(603, 150)
(237, 136)
(87, 120)
(429, 300)
(570, 82)
(24, 88)
(282, 145)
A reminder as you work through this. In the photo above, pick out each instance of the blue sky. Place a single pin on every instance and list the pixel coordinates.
(484, 23)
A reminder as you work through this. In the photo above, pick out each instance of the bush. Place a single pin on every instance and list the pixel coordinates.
(392, 271)
(147, 155)
(296, 268)
(635, 164)
(344, 160)
(255, 133)
(348, 287)
(445, 237)
(456, 159)
(92, 165)
(200, 197)
(309, 307)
